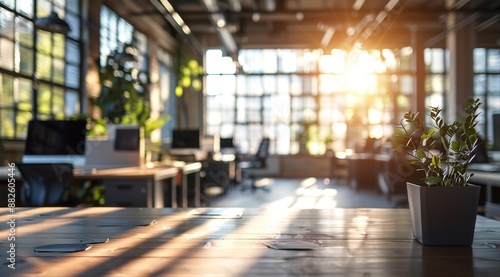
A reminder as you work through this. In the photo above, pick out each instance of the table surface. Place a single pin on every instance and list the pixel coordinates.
(128, 172)
(238, 242)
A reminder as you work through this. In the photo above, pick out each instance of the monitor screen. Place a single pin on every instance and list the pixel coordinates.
(186, 138)
(226, 143)
(127, 139)
(56, 137)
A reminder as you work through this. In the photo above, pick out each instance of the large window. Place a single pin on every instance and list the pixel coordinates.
(337, 98)
(487, 86)
(40, 72)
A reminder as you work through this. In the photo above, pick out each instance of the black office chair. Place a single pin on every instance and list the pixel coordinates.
(257, 161)
(45, 184)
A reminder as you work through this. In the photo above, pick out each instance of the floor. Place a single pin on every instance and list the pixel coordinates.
(309, 193)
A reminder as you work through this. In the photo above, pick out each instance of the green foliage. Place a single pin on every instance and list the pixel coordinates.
(443, 151)
(124, 98)
(190, 74)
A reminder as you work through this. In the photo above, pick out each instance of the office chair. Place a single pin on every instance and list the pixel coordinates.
(256, 161)
(44, 184)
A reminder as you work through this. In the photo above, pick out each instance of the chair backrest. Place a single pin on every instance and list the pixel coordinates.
(263, 151)
(44, 184)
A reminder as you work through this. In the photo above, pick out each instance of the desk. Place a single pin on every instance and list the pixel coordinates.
(343, 242)
(117, 184)
(190, 190)
(491, 182)
(362, 171)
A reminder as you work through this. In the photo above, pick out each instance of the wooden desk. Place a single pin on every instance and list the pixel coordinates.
(362, 171)
(490, 181)
(344, 242)
(118, 183)
(189, 194)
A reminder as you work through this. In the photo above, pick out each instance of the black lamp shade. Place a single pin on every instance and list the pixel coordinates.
(53, 24)
(129, 54)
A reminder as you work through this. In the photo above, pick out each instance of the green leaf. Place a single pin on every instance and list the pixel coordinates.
(432, 181)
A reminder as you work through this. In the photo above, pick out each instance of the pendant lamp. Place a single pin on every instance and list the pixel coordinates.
(53, 23)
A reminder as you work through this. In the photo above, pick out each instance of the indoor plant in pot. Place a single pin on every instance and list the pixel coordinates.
(443, 206)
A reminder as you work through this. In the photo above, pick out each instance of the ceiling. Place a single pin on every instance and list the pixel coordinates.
(237, 24)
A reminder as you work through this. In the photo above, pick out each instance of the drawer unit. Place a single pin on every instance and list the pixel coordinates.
(127, 193)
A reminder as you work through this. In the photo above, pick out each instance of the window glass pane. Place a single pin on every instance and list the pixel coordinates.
(58, 47)
(22, 120)
(437, 61)
(44, 42)
(58, 74)
(405, 59)
(283, 84)
(295, 84)
(44, 99)
(6, 24)
(72, 76)
(26, 7)
(43, 66)
(7, 89)
(494, 84)
(59, 3)
(269, 61)
(72, 6)
(7, 123)
(25, 90)
(8, 3)
(25, 29)
(72, 103)
(479, 60)
(43, 8)
(7, 54)
(74, 24)
(287, 60)
(58, 103)
(480, 84)
(406, 84)
(26, 60)
(436, 84)
(494, 60)
(72, 52)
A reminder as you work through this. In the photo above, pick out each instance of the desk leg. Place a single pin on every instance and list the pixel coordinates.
(173, 194)
(184, 191)
(197, 189)
(150, 193)
(158, 194)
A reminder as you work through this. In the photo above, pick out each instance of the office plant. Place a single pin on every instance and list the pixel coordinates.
(124, 97)
(444, 204)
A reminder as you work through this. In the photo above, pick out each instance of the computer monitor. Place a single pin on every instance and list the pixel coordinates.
(185, 138)
(56, 141)
(121, 148)
(226, 143)
(127, 138)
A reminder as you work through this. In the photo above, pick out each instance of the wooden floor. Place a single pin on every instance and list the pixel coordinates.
(309, 193)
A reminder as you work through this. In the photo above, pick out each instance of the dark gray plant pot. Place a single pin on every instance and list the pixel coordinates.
(443, 215)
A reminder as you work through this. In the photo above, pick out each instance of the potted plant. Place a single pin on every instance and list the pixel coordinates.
(443, 206)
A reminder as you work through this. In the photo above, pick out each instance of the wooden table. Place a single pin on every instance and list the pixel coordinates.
(490, 181)
(185, 242)
(154, 179)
